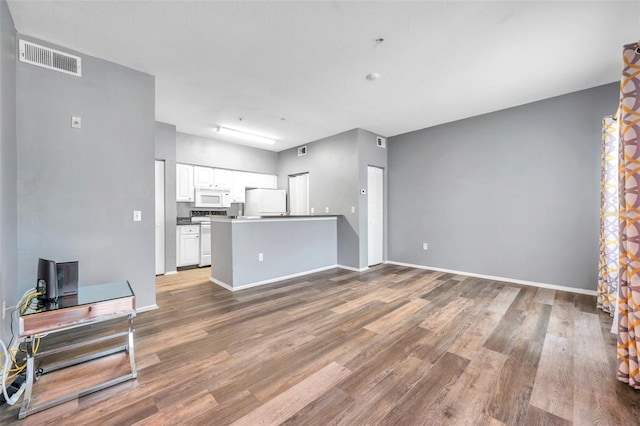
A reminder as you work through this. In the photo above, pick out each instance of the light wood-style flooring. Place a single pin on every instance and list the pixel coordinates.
(389, 346)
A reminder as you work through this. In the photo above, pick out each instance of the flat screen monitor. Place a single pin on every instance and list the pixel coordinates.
(67, 278)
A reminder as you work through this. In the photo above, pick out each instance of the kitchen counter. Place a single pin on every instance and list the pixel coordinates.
(266, 218)
(248, 252)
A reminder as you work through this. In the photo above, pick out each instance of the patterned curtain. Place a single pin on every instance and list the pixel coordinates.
(629, 187)
(609, 228)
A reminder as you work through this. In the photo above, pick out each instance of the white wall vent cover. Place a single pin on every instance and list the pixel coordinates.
(302, 151)
(52, 59)
(381, 142)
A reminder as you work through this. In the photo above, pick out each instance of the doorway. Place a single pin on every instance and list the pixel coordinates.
(375, 214)
(299, 194)
(159, 217)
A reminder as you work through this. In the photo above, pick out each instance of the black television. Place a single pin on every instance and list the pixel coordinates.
(47, 280)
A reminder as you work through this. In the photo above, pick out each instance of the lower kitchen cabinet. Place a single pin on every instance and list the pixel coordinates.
(188, 250)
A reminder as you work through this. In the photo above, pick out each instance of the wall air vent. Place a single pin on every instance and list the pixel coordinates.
(302, 151)
(381, 142)
(52, 59)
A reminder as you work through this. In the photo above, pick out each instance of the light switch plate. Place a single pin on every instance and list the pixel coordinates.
(76, 122)
(137, 215)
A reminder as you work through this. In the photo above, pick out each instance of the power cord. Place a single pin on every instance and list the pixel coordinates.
(11, 370)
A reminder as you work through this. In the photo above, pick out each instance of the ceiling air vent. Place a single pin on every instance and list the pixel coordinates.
(302, 151)
(381, 142)
(52, 59)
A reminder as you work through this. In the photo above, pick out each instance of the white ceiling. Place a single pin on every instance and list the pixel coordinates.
(306, 61)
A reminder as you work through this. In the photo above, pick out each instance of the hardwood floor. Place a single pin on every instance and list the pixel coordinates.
(390, 346)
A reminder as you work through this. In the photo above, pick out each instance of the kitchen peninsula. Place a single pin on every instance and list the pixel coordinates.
(248, 252)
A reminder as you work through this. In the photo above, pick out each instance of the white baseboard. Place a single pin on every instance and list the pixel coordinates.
(508, 280)
(221, 283)
(147, 308)
(351, 268)
(171, 272)
(271, 280)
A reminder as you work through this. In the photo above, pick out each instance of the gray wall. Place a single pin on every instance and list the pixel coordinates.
(8, 167)
(369, 154)
(512, 194)
(201, 151)
(310, 245)
(166, 150)
(221, 252)
(78, 188)
(332, 164)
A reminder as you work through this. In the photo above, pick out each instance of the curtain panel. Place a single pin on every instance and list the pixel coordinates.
(608, 264)
(629, 185)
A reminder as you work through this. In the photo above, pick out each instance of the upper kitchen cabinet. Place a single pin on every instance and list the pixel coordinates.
(238, 186)
(203, 177)
(222, 178)
(184, 183)
(259, 180)
(269, 181)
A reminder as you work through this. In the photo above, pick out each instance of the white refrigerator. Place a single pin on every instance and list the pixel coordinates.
(265, 202)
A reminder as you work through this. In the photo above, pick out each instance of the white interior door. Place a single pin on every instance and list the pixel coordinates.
(299, 194)
(375, 203)
(159, 217)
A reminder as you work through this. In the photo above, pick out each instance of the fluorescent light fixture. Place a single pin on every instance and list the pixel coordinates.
(244, 135)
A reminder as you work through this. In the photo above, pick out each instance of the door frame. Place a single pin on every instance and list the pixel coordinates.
(159, 218)
(380, 211)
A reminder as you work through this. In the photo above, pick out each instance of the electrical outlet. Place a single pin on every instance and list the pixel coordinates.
(353, 209)
(313, 210)
(424, 246)
(326, 209)
(260, 257)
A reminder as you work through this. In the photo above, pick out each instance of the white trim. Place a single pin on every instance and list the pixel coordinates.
(351, 268)
(269, 281)
(147, 308)
(504, 279)
(171, 272)
(221, 284)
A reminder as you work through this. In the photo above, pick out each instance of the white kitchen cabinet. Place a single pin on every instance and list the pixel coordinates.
(184, 183)
(252, 180)
(222, 179)
(238, 186)
(269, 181)
(203, 177)
(188, 250)
(261, 180)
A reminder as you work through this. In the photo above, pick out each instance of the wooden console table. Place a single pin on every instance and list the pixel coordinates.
(93, 304)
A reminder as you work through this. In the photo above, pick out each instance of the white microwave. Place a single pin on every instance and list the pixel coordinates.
(206, 197)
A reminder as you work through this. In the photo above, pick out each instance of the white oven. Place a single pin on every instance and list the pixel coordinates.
(212, 198)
